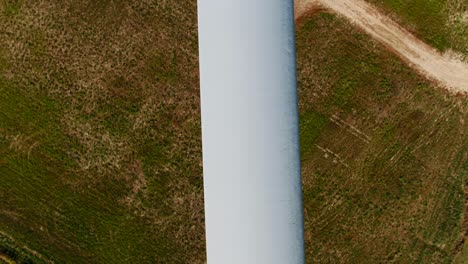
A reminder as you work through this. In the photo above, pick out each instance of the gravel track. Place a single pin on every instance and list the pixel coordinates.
(446, 70)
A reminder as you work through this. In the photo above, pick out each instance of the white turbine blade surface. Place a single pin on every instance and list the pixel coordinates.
(250, 132)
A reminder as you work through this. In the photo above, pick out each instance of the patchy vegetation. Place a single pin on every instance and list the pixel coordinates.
(100, 147)
(441, 23)
(100, 152)
(12, 253)
(384, 179)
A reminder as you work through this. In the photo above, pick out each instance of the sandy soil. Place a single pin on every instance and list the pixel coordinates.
(442, 68)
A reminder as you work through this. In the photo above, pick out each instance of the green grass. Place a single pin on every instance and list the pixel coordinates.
(437, 22)
(15, 253)
(88, 166)
(163, 67)
(383, 181)
(461, 259)
(311, 125)
(34, 185)
(11, 7)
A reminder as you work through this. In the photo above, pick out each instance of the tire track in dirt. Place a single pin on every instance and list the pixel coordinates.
(446, 70)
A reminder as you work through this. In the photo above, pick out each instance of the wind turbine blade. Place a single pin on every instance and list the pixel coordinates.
(251, 163)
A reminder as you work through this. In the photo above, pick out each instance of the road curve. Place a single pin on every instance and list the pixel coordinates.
(445, 70)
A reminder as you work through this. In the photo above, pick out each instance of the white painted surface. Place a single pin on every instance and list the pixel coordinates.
(250, 132)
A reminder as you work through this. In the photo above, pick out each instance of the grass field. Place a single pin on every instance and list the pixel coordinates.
(441, 23)
(100, 150)
(384, 153)
(99, 131)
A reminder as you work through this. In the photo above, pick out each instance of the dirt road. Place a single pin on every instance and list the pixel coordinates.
(446, 70)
